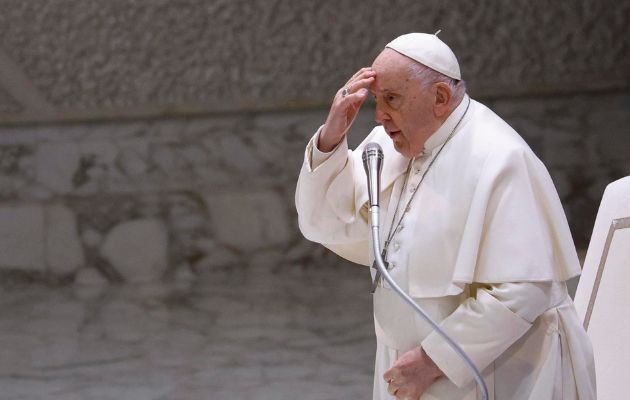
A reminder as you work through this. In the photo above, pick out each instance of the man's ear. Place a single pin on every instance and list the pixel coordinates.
(443, 95)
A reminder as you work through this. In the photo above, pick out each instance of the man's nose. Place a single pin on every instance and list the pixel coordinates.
(380, 115)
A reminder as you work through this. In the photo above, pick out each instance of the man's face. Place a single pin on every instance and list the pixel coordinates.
(403, 107)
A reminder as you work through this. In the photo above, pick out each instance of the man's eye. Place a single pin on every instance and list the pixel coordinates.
(392, 100)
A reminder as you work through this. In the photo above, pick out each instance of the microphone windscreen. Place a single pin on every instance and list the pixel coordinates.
(372, 149)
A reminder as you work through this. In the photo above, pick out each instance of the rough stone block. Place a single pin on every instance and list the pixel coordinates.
(90, 277)
(137, 249)
(164, 158)
(248, 221)
(238, 155)
(266, 259)
(216, 256)
(64, 253)
(22, 237)
(184, 278)
(132, 159)
(91, 238)
(56, 165)
(194, 154)
(104, 152)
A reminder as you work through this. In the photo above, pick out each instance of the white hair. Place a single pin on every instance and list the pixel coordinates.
(428, 77)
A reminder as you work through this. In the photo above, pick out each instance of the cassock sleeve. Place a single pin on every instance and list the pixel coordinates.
(317, 157)
(325, 202)
(487, 325)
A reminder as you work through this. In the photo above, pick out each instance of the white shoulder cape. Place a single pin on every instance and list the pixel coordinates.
(486, 212)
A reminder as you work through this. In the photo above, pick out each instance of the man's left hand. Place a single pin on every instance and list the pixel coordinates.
(411, 375)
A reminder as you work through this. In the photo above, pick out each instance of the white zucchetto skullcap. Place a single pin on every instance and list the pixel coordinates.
(429, 50)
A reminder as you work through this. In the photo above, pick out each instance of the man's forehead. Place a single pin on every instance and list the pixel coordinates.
(392, 72)
(375, 87)
(391, 59)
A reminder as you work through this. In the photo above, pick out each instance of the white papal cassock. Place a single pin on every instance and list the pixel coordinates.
(484, 248)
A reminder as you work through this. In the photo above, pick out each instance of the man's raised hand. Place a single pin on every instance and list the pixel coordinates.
(345, 106)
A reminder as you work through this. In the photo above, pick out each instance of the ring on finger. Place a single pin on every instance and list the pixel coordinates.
(345, 91)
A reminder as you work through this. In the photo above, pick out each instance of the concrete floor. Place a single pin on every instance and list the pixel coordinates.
(293, 333)
(258, 333)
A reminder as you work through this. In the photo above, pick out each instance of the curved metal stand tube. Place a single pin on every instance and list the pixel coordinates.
(374, 217)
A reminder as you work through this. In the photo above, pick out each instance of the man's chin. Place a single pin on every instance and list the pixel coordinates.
(401, 148)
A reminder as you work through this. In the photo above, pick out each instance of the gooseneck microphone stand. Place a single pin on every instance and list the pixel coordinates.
(373, 163)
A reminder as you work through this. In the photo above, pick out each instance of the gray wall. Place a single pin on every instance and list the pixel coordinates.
(153, 139)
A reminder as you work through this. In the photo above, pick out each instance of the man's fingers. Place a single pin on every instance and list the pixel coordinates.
(388, 375)
(359, 72)
(363, 75)
(394, 383)
(345, 106)
(356, 98)
(359, 84)
(351, 103)
(391, 374)
(404, 393)
(392, 389)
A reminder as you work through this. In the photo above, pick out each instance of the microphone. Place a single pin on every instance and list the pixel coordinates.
(373, 164)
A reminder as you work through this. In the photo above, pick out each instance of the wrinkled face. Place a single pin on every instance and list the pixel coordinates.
(403, 106)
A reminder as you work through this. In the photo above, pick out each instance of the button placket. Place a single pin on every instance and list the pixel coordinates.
(420, 164)
(413, 183)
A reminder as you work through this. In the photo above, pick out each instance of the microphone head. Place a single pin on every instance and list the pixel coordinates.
(373, 155)
(372, 149)
(373, 164)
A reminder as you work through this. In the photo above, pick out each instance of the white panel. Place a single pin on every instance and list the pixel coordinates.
(609, 326)
(601, 299)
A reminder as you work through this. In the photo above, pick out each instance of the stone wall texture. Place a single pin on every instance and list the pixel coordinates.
(142, 200)
(144, 140)
(90, 59)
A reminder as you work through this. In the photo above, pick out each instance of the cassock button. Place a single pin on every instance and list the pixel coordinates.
(396, 246)
(392, 265)
(418, 170)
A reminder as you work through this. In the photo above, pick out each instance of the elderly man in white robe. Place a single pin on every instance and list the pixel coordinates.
(473, 230)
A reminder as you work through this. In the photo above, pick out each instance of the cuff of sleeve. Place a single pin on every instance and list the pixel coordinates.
(318, 157)
(483, 327)
(314, 158)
